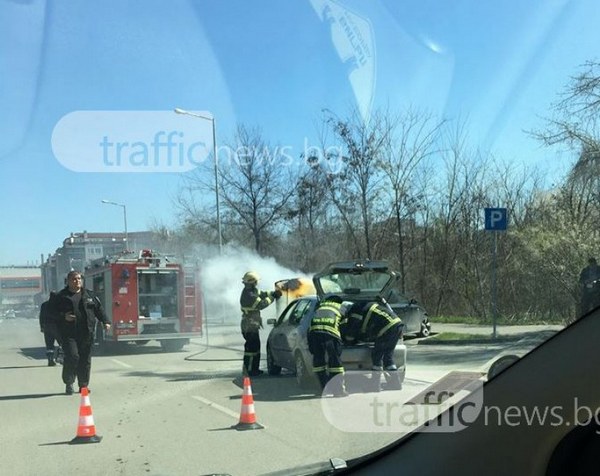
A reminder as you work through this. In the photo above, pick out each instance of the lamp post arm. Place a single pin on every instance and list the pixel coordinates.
(178, 110)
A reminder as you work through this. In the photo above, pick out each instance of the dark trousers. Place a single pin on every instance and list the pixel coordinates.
(50, 336)
(77, 359)
(383, 350)
(589, 300)
(327, 353)
(251, 352)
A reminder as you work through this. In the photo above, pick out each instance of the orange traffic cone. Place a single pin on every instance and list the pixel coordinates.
(247, 415)
(86, 430)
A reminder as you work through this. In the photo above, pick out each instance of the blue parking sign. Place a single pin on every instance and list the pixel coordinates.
(496, 219)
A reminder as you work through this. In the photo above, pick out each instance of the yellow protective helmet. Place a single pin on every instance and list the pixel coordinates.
(250, 277)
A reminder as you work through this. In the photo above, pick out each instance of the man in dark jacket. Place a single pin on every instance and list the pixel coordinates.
(376, 322)
(50, 330)
(252, 301)
(589, 286)
(77, 309)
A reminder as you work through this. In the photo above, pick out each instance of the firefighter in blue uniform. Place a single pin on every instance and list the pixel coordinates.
(252, 301)
(376, 322)
(325, 344)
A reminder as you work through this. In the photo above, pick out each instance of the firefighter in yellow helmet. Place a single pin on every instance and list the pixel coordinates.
(252, 301)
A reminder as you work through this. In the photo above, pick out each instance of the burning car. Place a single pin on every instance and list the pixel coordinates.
(354, 281)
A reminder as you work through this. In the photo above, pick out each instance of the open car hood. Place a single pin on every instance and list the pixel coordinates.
(353, 280)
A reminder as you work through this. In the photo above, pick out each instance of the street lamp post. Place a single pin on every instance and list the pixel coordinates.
(124, 218)
(216, 171)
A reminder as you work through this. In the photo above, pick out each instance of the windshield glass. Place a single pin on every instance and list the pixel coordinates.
(200, 162)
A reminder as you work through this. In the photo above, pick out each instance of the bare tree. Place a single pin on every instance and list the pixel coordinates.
(414, 141)
(196, 215)
(254, 188)
(359, 184)
(567, 220)
(454, 241)
(309, 211)
(255, 184)
(575, 119)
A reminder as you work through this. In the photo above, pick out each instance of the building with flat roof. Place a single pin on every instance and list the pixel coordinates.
(79, 249)
(19, 285)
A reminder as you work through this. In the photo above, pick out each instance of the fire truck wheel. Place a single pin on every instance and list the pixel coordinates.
(172, 345)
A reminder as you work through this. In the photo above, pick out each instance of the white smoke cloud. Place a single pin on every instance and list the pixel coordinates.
(222, 282)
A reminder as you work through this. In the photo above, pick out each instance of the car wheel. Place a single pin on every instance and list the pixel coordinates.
(302, 375)
(272, 368)
(425, 329)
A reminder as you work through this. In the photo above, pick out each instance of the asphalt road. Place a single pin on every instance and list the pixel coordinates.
(172, 413)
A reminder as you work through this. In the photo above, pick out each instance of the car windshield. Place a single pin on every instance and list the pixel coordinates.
(201, 162)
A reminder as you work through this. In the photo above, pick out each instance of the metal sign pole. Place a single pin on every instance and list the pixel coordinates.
(496, 219)
(494, 290)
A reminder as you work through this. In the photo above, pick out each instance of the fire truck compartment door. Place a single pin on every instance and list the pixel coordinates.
(158, 293)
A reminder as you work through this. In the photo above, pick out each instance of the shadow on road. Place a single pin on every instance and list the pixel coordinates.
(36, 353)
(128, 348)
(56, 443)
(33, 395)
(187, 376)
(265, 388)
(23, 367)
(284, 387)
(268, 388)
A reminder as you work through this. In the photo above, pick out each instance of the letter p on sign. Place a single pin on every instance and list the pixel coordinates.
(496, 219)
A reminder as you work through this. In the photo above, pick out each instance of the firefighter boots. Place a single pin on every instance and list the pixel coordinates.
(50, 356)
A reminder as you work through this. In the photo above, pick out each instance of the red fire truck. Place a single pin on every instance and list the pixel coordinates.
(146, 297)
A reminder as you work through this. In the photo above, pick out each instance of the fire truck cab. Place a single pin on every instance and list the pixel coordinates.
(146, 297)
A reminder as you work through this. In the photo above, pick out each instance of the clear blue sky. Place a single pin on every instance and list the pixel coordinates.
(273, 64)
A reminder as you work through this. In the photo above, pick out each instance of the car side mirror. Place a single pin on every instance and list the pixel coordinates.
(271, 322)
(412, 301)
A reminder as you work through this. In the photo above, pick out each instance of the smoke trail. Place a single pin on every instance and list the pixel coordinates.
(222, 282)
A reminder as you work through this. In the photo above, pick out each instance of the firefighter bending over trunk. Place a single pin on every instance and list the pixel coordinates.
(324, 338)
(252, 301)
(377, 322)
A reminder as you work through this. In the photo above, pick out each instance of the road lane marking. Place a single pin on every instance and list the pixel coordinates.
(216, 406)
(122, 364)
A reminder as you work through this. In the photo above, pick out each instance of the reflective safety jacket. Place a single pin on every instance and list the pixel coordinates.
(327, 319)
(370, 322)
(252, 301)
